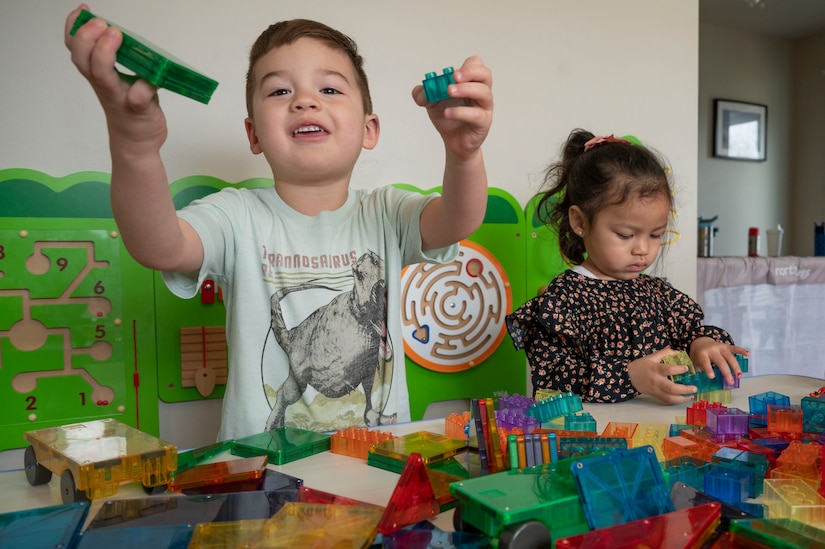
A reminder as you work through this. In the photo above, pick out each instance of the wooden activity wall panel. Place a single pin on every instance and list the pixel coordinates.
(76, 333)
(86, 333)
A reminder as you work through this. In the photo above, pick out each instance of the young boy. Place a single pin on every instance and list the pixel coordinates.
(310, 269)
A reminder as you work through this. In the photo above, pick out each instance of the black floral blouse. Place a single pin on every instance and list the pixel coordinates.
(582, 332)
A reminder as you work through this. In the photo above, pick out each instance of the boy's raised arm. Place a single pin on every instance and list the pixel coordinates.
(463, 122)
(141, 201)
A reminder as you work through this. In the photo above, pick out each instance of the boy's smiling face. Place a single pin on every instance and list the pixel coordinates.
(308, 115)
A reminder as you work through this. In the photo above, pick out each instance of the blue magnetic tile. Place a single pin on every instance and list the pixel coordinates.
(621, 486)
(157, 537)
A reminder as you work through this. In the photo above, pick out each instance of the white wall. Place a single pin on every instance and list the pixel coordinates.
(627, 67)
(807, 146)
(746, 67)
(558, 64)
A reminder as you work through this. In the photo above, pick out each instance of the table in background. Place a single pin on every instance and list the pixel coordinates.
(355, 479)
(774, 306)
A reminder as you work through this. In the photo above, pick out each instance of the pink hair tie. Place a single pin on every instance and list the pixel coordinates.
(599, 139)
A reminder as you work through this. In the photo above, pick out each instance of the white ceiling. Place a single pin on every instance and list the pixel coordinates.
(791, 19)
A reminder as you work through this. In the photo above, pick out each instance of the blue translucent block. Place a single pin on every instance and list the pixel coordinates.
(743, 362)
(777, 444)
(157, 537)
(813, 415)
(555, 406)
(685, 496)
(702, 382)
(759, 405)
(727, 421)
(580, 422)
(757, 510)
(621, 486)
(686, 469)
(728, 484)
(55, 526)
(757, 464)
(435, 86)
(677, 428)
(571, 447)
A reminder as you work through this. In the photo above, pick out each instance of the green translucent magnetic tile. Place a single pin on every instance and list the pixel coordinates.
(387, 463)
(432, 447)
(156, 66)
(282, 445)
(780, 533)
(295, 525)
(55, 526)
(197, 456)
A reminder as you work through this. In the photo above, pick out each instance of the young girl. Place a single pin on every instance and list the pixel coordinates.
(602, 328)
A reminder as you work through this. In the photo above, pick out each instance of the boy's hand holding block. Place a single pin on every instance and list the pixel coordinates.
(156, 66)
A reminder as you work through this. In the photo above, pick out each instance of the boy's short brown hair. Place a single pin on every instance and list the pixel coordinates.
(287, 32)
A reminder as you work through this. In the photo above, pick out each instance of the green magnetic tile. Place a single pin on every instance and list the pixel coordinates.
(157, 66)
(781, 533)
(282, 445)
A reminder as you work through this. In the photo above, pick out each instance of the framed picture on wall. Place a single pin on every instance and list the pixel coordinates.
(739, 130)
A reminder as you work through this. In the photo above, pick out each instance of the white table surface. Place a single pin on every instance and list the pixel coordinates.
(355, 479)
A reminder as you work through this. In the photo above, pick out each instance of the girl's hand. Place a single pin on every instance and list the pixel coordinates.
(706, 351)
(464, 120)
(650, 376)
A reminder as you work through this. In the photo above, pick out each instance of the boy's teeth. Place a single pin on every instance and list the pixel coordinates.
(306, 129)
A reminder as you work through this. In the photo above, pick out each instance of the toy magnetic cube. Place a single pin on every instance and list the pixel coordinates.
(686, 469)
(800, 460)
(94, 457)
(785, 419)
(555, 406)
(435, 86)
(580, 422)
(759, 405)
(793, 498)
(746, 461)
(813, 414)
(728, 484)
(357, 441)
(727, 421)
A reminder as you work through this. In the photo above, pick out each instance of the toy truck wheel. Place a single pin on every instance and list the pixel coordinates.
(68, 489)
(149, 490)
(526, 535)
(461, 526)
(36, 474)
